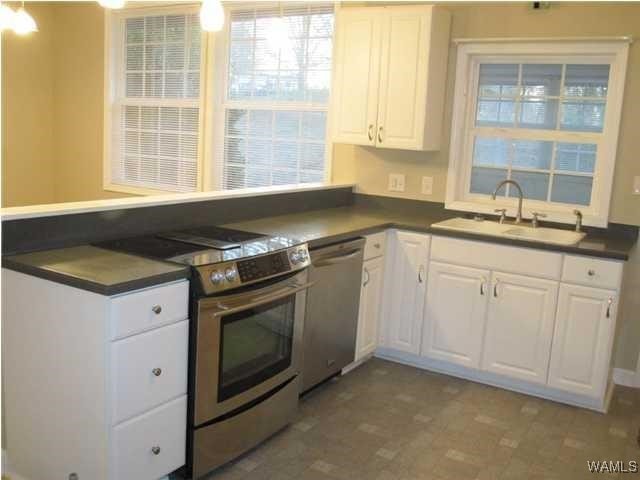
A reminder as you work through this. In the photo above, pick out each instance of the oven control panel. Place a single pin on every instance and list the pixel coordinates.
(233, 274)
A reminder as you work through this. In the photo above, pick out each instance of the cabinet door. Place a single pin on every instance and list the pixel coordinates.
(403, 78)
(455, 314)
(356, 67)
(582, 340)
(520, 326)
(369, 314)
(406, 292)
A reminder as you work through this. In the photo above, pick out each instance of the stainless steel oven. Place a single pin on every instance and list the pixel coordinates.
(247, 363)
(247, 344)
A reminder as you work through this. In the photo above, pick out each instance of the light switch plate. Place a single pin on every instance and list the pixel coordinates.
(427, 185)
(636, 185)
(396, 182)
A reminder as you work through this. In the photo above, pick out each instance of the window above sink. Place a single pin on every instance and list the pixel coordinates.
(545, 114)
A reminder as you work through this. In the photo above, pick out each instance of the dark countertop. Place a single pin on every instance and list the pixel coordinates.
(323, 227)
(95, 269)
(109, 273)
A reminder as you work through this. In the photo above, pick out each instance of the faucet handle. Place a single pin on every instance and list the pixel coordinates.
(502, 212)
(535, 216)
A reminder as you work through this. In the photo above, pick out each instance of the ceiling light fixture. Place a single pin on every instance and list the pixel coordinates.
(23, 23)
(211, 16)
(111, 3)
(6, 18)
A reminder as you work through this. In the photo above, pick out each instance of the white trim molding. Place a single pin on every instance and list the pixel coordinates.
(611, 51)
(626, 378)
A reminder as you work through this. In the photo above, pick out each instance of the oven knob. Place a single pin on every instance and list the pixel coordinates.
(217, 277)
(230, 274)
(294, 257)
(304, 256)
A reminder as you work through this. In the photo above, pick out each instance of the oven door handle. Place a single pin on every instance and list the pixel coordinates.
(332, 260)
(262, 299)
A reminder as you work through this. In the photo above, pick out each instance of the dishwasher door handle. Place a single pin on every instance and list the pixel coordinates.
(333, 260)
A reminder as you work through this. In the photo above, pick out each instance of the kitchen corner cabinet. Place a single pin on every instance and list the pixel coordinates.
(369, 314)
(94, 385)
(390, 76)
(583, 340)
(405, 291)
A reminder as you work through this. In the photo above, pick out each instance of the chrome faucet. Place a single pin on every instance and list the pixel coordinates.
(517, 185)
(578, 215)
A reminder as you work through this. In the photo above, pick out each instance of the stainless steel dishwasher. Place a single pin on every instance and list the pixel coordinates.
(331, 318)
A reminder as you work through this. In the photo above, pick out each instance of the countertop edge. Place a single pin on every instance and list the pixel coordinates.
(611, 255)
(95, 287)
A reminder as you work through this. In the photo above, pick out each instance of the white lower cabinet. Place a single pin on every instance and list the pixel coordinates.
(520, 326)
(455, 314)
(404, 306)
(151, 445)
(370, 301)
(119, 365)
(583, 340)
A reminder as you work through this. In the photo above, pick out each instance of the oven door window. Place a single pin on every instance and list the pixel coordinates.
(256, 344)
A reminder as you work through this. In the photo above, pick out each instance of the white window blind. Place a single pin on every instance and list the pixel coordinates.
(526, 118)
(156, 108)
(277, 92)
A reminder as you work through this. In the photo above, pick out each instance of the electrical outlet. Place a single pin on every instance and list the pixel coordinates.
(427, 185)
(396, 182)
(636, 185)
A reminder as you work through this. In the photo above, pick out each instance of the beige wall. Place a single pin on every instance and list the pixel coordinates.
(53, 83)
(27, 114)
(370, 167)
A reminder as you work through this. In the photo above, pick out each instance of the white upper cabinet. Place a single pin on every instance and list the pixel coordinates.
(390, 76)
(520, 326)
(404, 310)
(583, 339)
(455, 314)
(357, 68)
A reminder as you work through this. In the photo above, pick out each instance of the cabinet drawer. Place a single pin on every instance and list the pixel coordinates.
(590, 271)
(151, 445)
(147, 309)
(374, 247)
(524, 261)
(148, 369)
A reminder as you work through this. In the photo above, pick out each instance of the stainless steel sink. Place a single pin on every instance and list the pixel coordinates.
(554, 236)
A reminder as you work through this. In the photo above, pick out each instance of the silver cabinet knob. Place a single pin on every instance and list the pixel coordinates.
(591, 273)
(157, 372)
(155, 450)
(157, 309)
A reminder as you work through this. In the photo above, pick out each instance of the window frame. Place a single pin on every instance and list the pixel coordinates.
(216, 98)
(113, 74)
(470, 55)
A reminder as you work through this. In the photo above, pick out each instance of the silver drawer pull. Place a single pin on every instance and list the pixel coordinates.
(591, 272)
(157, 372)
(155, 450)
(609, 302)
(370, 132)
(367, 277)
(157, 309)
(495, 288)
(482, 282)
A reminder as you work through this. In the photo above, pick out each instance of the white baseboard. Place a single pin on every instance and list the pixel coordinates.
(542, 391)
(626, 378)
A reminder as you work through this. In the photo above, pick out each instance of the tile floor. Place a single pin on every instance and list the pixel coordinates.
(385, 421)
